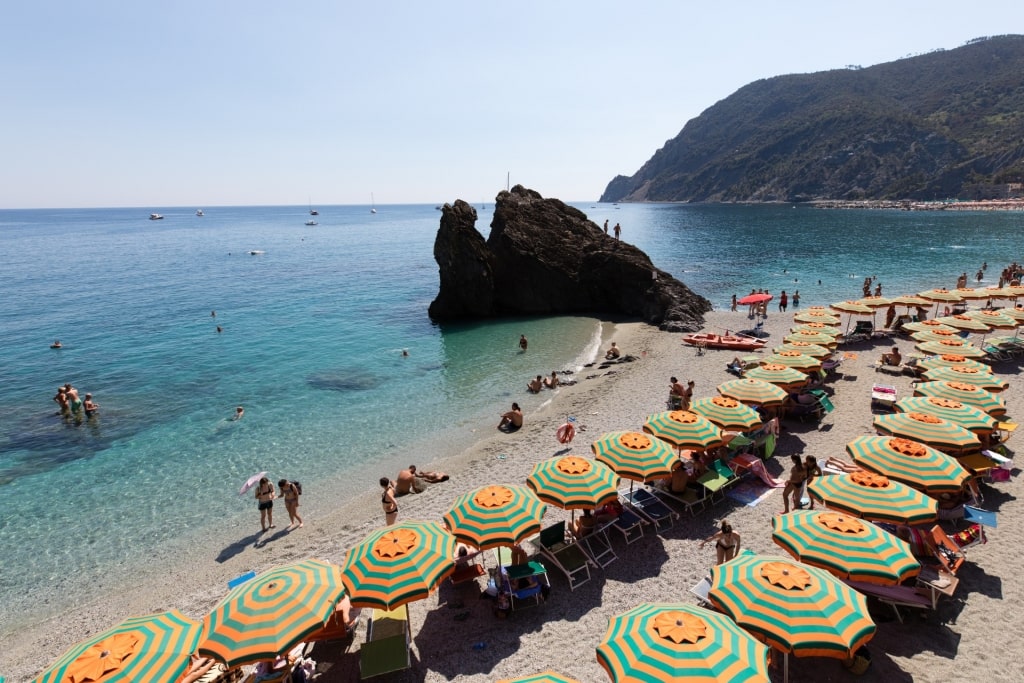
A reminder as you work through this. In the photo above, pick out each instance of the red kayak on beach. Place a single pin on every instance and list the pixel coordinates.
(723, 341)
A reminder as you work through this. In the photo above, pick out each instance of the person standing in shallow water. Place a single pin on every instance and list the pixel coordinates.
(522, 342)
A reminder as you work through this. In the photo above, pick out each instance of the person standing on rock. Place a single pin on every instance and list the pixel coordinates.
(618, 230)
(606, 226)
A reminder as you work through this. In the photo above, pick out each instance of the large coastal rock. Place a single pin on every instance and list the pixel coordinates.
(544, 257)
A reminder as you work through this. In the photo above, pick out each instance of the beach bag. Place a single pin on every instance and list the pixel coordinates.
(298, 487)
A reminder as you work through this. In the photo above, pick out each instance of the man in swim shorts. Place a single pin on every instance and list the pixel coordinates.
(512, 420)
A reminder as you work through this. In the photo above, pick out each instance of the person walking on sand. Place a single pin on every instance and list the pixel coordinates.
(388, 502)
(733, 307)
(522, 342)
(618, 230)
(290, 493)
(797, 475)
(727, 543)
(265, 503)
(512, 420)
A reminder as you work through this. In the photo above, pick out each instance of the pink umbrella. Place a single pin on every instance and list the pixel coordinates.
(250, 482)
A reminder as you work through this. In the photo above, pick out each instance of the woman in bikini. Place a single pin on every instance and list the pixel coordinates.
(797, 474)
(727, 543)
(290, 493)
(388, 502)
(811, 470)
(265, 503)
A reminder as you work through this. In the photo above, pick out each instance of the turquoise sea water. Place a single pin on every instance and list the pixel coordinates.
(314, 326)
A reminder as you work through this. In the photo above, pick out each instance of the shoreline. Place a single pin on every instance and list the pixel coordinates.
(562, 633)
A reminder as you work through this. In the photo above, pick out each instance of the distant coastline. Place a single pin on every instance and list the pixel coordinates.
(914, 205)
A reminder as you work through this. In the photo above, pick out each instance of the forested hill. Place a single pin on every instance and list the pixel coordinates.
(923, 127)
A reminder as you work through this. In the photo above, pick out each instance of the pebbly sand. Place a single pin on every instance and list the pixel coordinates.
(969, 638)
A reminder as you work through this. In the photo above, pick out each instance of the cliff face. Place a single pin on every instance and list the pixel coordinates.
(544, 257)
(934, 125)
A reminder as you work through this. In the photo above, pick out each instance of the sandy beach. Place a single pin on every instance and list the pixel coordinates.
(969, 637)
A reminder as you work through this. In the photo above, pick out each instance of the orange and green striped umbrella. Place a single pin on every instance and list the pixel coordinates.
(911, 301)
(656, 642)
(851, 307)
(573, 483)
(939, 294)
(928, 326)
(964, 322)
(806, 348)
(398, 564)
(948, 359)
(964, 392)
(972, 294)
(968, 417)
(910, 462)
(635, 455)
(543, 677)
(845, 546)
(1017, 312)
(779, 375)
(874, 497)
(496, 515)
(996, 320)
(153, 648)
(816, 316)
(874, 302)
(684, 429)
(794, 608)
(727, 413)
(817, 328)
(963, 373)
(793, 359)
(935, 335)
(753, 392)
(946, 346)
(819, 338)
(927, 429)
(271, 613)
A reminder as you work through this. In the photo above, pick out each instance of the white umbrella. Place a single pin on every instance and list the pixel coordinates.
(250, 482)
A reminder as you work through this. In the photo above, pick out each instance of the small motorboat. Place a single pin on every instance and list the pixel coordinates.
(723, 341)
(155, 217)
(199, 212)
(311, 223)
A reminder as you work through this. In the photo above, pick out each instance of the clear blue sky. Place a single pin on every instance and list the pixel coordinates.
(227, 102)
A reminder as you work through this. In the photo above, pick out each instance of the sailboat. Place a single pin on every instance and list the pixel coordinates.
(373, 205)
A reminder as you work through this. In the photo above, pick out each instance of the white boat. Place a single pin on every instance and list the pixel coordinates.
(155, 217)
(312, 211)
(373, 206)
(311, 222)
(199, 212)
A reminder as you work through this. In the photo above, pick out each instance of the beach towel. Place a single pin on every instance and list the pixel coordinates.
(748, 493)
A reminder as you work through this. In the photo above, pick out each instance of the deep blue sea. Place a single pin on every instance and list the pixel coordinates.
(314, 323)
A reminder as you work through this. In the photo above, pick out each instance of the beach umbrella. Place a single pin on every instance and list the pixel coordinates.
(927, 429)
(817, 316)
(963, 373)
(574, 483)
(1017, 313)
(817, 328)
(911, 301)
(852, 307)
(995, 320)
(806, 348)
(793, 359)
(271, 613)
(1003, 292)
(754, 299)
(874, 497)
(779, 375)
(543, 677)
(964, 392)
(818, 338)
(909, 462)
(495, 516)
(875, 302)
(398, 564)
(939, 294)
(250, 482)
(684, 430)
(753, 392)
(153, 648)
(938, 335)
(678, 642)
(845, 546)
(792, 607)
(928, 326)
(635, 456)
(964, 322)
(956, 346)
(972, 294)
(727, 413)
(949, 359)
(966, 416)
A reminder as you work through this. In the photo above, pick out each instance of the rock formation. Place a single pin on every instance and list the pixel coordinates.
(546, 258)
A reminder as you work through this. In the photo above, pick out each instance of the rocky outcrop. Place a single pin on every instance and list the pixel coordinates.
(545, 257)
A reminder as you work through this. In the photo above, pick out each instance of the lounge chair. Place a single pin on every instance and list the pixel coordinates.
(717, 479)
(701, 590)
(631, 526)
(565, 554)
(894, 596)
(388, 640)
(647, 505)
(598, 546)
(949, 554)
(468, 567)
(692, 499)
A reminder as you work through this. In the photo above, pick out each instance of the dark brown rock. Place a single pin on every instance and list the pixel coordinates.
(544, 257)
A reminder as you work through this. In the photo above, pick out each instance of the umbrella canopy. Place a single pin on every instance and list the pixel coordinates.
(940, 294)
(817, 316)
(875, 302)
(574, 483)
(928, 326)
(948, 359)
(966, 416)
(1017, 313)
(817, 328)
(153, 648)
(635, 455)
(806, 348)
(936, 335)
(963, 373)
(754, 299)
(852, 307)
(794, 359)
(678, 642)
(964, 392)
(874, 497)
(753, 392)
(929, 430)
(250, 482)
(495, 516)
(996, 320)
(909, 462)
(956, 346)
(911, 301)
(543, 677)
(398, 564)
(1003, 292)
(819, 338)
(272, 613)
(792, 607)
(971, 294)
(845, 546)
(964, 322)
(684, 429)
(727, 413)
(779, 375)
